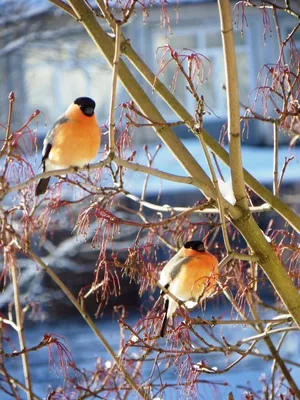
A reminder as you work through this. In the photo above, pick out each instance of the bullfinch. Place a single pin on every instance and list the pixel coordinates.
(73, 141)
(191, 276)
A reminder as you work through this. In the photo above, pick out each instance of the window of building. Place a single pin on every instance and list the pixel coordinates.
(208, 42)
(56, 73)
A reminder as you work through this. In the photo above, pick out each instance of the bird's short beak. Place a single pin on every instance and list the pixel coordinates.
(88, 111)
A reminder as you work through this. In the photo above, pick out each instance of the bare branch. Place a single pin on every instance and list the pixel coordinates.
(15, 382)
(101, 164)
(20, 324)
(220, 199)
(286, 162)
(112, 126)
(275, 160)
(235, 154)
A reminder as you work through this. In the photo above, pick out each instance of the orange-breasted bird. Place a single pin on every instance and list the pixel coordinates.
(191, 276)
(73, 141)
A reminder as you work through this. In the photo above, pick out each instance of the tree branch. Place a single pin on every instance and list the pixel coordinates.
(220, 199)
(233, 106)
(20, 324)
(275, 159)
(112, 126)
(111, 158)
(15, 382)
(166, 208)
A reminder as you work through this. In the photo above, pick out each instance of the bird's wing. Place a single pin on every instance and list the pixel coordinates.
(172, 269)
(47, 145)
(46, 150)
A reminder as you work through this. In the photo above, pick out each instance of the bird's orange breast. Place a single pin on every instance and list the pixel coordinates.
(76, 142)
(198, 277)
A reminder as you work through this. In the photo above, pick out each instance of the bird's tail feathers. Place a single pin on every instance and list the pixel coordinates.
(165, 320)
(170, 306)
(42, 186)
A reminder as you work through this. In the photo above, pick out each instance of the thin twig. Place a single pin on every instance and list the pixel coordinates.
(9, 322)
(217, 165)
(279, 38)
(269, 333)
(11, 99)
(230, 366)
(275, 159)
(61, 4)
(225, 261)
(274, 364)
(15, 382)
(286, 162)
(271, 6)
(145, 185)
(46, 341)
(20, 324)
(220, 199)
(107, 14)
(3, 368)
(112, 126)
(156, 172)
(213, 322)
(167, 209)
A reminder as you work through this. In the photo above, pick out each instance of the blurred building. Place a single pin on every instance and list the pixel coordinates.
(47, 59)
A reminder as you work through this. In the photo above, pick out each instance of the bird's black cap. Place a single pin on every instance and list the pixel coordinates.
(86, 104)
(195, 245)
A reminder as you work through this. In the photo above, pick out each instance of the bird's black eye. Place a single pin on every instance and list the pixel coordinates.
(195, 245)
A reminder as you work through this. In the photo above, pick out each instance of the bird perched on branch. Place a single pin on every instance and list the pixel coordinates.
(191, 276)
(73, 141)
